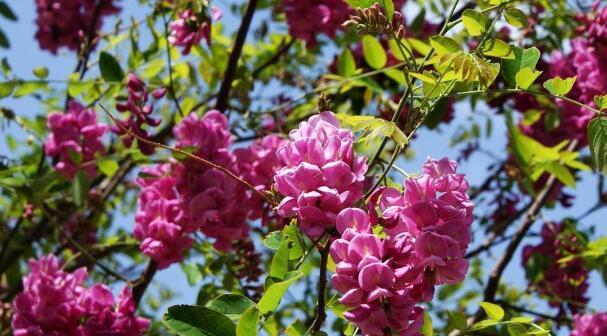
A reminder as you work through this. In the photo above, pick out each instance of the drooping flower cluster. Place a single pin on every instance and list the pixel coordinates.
(189, 29)
(565, 284)
(55, 302)
(140, 112)
(158, 221)
(595, 25)
(427, 232)
(322, 175)
(75, 139)
(66, 23)
(212, 202)
(307, 19)
(257, 164)
(186, 196)
(589, 325)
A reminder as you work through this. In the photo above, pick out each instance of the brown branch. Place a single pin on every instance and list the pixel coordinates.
(558, 318)
(228, 76)
(320, 315)
(144, 281)
(529, 218)
(191, 156)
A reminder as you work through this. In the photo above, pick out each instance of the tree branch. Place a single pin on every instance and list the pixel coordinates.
(228, 76)
(320, 315)
(144, 281)
(529, 219)
(284, 48)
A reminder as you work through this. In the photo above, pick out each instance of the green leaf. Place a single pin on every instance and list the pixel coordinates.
(345, 63)
(80, 187)
(4, 40)
(7, 12)
(6, 89)
(192, 272)
(526, 77)
(110, 68)
(457, 320)
(444, 45)
(601, 102)
(427, 326)
(389, 7)
(107, 166)
(559, 86)
(374, 52)
(597, 139)
(40, 72)
(28, 88)
(247, 325)
(190, 320)
(517, 330)
(498, 48)
(280, 261)
(474, 21)
(492, 310)
(360, 3)
(523, 58)
(560, 172)
(297, 328)
(516, 17)
(397, 75)
(231, 305)
(273, 240)
(271, 298)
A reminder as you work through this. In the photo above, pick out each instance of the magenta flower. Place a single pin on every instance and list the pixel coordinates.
(75, 140)
(322, 175)
(589, 325)
(159, 217)
(67, 23)
(257, 164)
(190, 28)
(140, 113)
(306, 19)
(54, 302)
(562, 288)
(211, 201)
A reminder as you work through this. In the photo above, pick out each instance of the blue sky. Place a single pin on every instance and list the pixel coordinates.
(25, 55)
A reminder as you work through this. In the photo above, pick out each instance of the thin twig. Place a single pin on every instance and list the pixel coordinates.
(170, 61)
(284, 48)
(228, 76)
(191, 156)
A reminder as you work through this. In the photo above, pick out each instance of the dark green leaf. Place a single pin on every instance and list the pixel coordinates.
(231, 305)
(110, 68)
(80, 187)
(516, 17)
(185, 320)
(597, 138)
(523, 58)
(7, 88)
(4, 40)
(7, 12)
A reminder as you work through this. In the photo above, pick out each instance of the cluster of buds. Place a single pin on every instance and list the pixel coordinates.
(373, 20)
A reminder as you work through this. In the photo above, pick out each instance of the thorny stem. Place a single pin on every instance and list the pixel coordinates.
(226, 84)
(191, 156)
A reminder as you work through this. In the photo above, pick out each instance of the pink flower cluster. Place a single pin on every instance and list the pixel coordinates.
(55, 302)
(257, 164)
(75, 139)
(322, 175)
(595, 25)
(186, 196)
(589, 325)
(189, 29)
(140, 111)
(158, 221)
(565, 284)
(66, 23)
(427, 232)
(308, 18)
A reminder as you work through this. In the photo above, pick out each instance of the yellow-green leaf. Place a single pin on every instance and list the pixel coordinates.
(526, 77)
(374, 52)
(474, 21)
(516, 17)
(559, 86)
(492, 310)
